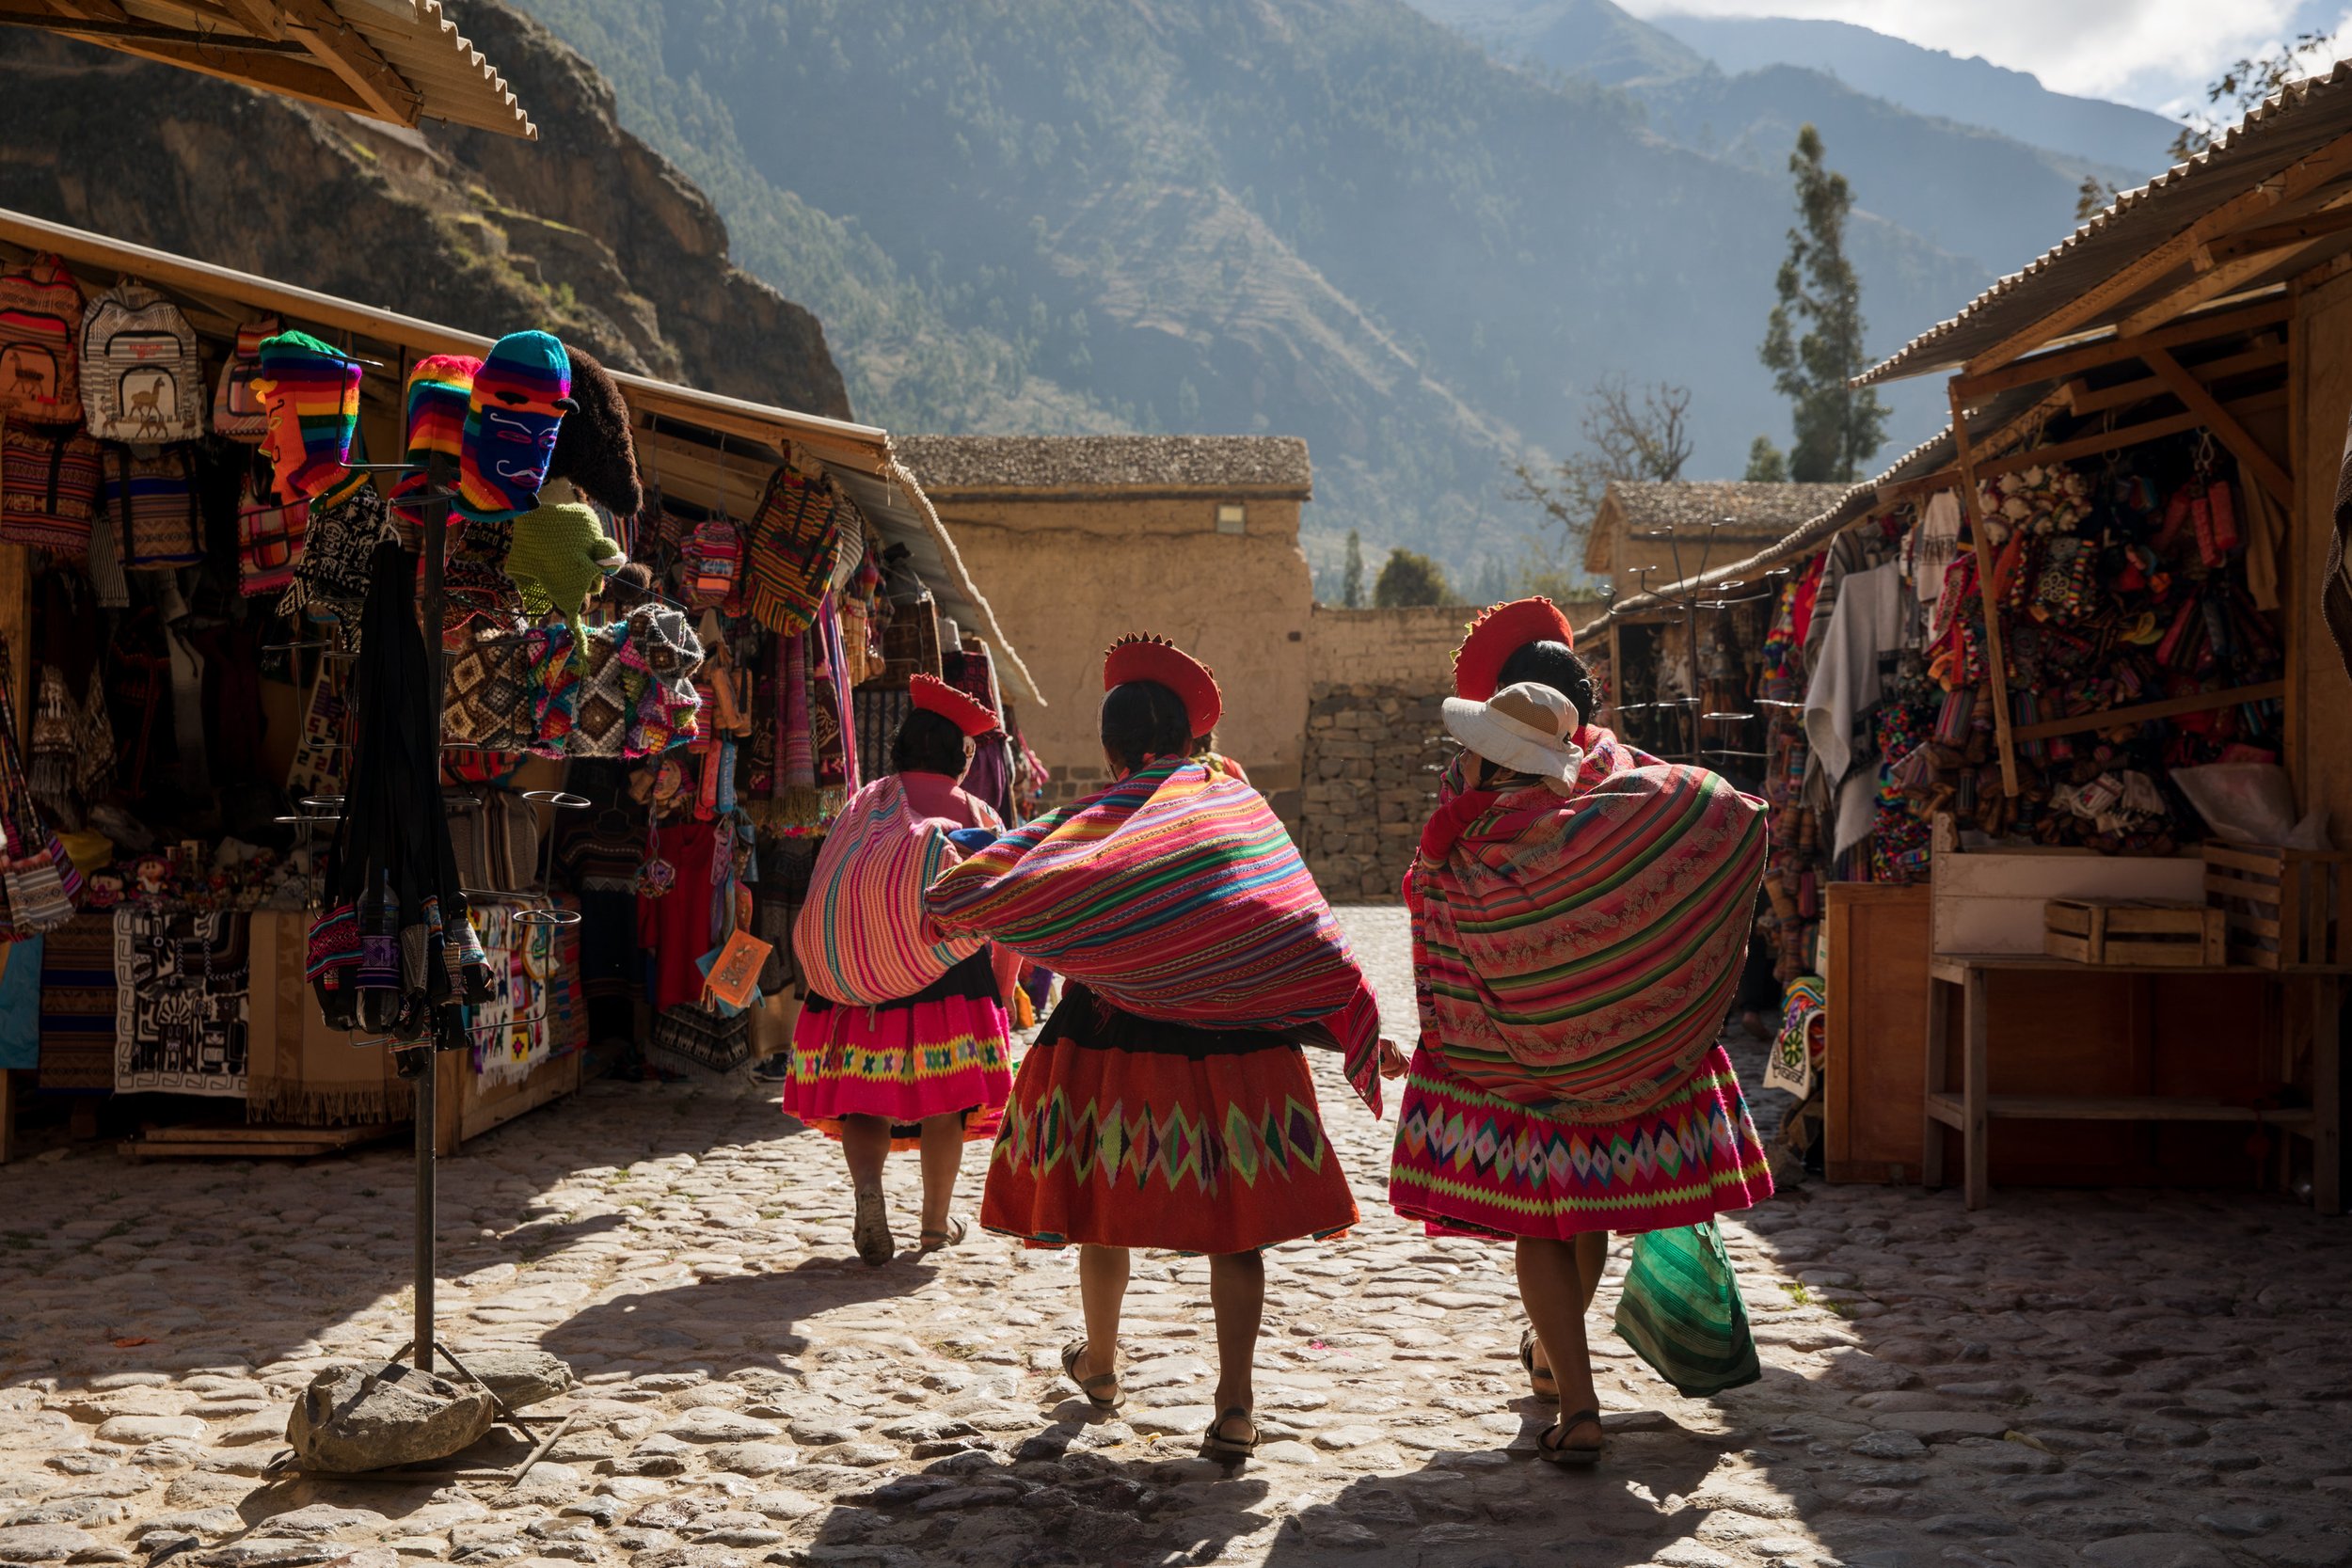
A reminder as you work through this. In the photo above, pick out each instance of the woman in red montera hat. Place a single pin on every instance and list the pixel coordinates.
(1168, 1103)
(1580, 912)
(903, 1041)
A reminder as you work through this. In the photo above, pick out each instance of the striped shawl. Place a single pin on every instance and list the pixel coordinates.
(861, 935)
(1175, 895)
(1576, 954)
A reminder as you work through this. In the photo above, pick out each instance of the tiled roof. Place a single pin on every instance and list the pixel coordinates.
(948, 463)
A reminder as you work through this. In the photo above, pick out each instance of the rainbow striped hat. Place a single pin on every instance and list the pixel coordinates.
(309, 391)
(520, 395)
(439, 388)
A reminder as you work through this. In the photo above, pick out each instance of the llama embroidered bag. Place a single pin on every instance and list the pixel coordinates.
(40, 315)
(141, 379)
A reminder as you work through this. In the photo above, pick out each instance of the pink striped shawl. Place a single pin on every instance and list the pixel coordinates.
(1577, 955)
(863, 937)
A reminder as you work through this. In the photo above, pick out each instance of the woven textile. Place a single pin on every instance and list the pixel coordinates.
(1799, 1047)
(828, 707)
(319, 751)
(1576, 954)
(1469, 1163)
(19, 1005)
(863, 937)
(1177, 896)
(490, 694)
(1123, 1131)
(48, 485)
(944, 1051)
(330, 576)
(878, 714)
(151, 499)
(179, 999)
(77, 1006)
(694, 1035)
(789, 551)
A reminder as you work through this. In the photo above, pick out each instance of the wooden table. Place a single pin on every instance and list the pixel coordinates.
(1971, 1111)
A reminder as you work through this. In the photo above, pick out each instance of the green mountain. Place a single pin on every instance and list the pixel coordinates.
(1332, 219)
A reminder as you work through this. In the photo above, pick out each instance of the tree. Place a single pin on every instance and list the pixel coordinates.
(1629, 432)
(1409, 579)
(1352, 577)
(2091, 197)
(2238, 91)
(1766, 463)
(1813, 339)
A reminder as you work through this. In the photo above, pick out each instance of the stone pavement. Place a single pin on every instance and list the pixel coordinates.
(2124, 1379)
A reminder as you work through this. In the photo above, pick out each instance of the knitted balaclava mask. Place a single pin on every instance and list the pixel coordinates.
(310, 394)
(594, 448)
(558, 559)
(520, 395)
(439, 388)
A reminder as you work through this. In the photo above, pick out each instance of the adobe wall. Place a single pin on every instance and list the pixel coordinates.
(1068, 575)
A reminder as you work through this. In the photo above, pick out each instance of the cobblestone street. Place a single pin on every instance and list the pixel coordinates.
(2122, 1379)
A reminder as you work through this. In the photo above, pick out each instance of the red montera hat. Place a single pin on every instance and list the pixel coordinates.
(968, 714)
(1142, 656)
(1499, 631)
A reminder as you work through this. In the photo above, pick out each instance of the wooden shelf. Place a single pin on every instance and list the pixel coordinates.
(1947, 1108)
(1952, 968)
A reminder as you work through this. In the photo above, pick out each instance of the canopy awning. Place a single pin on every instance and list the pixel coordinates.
(398, 60)
(716, 449)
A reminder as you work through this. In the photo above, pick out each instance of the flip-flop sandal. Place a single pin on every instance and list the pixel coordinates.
(1075, 1352)
(1537, 1376)
(1559, 1452)
(932, 1241)
(1216, 1445)
(870, 1231)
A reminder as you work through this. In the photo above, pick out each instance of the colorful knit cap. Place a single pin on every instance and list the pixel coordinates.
(520, 395)
(439, 388)
(559, 557)
(312, 393)
(1143, 657)
(1499, 632)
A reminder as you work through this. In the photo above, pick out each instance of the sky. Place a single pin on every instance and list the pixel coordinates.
(2156, 54)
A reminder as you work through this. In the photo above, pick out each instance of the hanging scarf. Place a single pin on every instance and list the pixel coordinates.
(1576, 954)
(1175, 894)
(829, 711)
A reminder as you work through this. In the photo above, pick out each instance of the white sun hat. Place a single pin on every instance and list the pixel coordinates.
(1523, 727)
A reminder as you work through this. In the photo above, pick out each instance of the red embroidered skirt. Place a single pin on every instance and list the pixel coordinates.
(947, 1049)
(1469, 1163)
(1127, 1131)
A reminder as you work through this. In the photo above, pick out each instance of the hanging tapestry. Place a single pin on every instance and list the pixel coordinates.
(318, 760)
(789, 550)
(829, 711)
(180, 981)
(1798, 1048)
(19, 1005)
(77, 1006)
(878, 714)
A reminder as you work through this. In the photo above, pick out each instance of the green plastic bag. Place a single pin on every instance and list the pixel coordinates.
(1682, 1313)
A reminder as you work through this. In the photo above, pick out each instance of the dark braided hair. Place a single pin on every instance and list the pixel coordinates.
(1143, 720)
(929, 742)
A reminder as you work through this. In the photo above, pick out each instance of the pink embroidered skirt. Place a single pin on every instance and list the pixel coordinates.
(1469, 1163)
(946, 1050)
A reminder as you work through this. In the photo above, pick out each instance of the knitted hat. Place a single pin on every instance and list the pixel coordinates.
(930, 694)
(520, 395)
(439, 388)
(1499, 631)
(559, 558)
(1143, 657)
(594, 448)
(310, 391)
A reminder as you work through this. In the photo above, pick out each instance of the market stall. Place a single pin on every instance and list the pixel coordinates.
(632, 761)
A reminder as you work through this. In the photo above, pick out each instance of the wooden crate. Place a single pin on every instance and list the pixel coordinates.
(2132, 931)
(2285, 909)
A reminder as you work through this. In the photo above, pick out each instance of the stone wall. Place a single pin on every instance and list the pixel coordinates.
(1373, 752)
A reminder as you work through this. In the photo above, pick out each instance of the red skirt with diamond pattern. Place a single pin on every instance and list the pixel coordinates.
(1127, 1131)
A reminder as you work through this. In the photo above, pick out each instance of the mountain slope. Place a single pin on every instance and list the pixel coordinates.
(611, 249)
(1931, 82)
(1330, 219)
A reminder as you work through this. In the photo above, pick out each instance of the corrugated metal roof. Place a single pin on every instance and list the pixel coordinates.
(2291, 125)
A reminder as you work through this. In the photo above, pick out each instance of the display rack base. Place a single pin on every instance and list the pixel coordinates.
(251, 1143)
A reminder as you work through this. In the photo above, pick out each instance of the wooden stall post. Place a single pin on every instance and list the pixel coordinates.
(1974, 510)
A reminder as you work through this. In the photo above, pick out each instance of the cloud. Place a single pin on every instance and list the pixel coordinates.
(2158, 54)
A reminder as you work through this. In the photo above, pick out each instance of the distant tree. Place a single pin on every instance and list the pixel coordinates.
(1766, 463)
(1352, 580)
(2238, 91)
(2091, 197)
(1630, 432)
(1813, 339)
(1409, 579)
(1494, 583)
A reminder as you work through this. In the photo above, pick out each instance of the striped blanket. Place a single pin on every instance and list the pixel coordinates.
(1576, 954)
(861, 937)
(1175, 895)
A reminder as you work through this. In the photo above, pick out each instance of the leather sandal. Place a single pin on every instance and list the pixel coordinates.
(1540, 1379)
(932, 1241)
(1558, 1452)
(870, 1230)
(1232, 1450)
(1074, 1353)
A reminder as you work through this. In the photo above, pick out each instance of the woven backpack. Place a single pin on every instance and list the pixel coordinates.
(236, 412)
(141, 379)
(48, 486)
(153, 504)
(41, 314)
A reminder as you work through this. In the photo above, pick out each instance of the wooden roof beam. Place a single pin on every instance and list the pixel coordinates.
(2298, 179)
(2224, 278)
(2107, 350)
(294, 76)
(2083, 398)
(339, 46)
(2264, 237)
(2264, 469)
